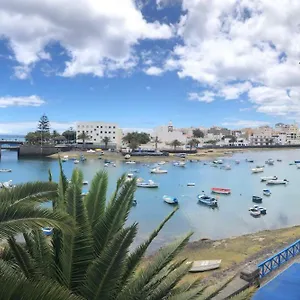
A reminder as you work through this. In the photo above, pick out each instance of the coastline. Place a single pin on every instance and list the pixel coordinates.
(202, 154)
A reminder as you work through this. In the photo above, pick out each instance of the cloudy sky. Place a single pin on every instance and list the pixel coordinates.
(142, 63)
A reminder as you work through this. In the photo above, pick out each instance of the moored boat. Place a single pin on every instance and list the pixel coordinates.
(76, 161)
(226, 167)
(257, 199)
(257, 170)
(267, 192)
(130, 162)
(85, 182)
(218, 162)
(204, 265)
(210, 201)
(5, 170)
(297, 161)
(179, 164)
(279, 160)
(223, 191)
(249, 160)
(269, 162)
(266, 178)
(254, 212)
(149, 184)
(277, 181)
(129, 177)
(170, 200)
(158, 171)
(161, 163)
(191, 184)
(47, 230)
(237, 162)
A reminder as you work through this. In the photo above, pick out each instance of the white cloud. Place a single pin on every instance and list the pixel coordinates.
(244, 123)
(154, 71)
(21, 101)
(252, 42)
(98, 37)
(24, 127)
(206, 96)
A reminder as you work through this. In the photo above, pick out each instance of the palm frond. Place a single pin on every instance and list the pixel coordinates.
(246, 295)
(22, 258)
(135, 288)
(104, 275)
(62, 187)
(190, 294)
(95, 201)
(120, 183)
(114, 218)
(18, 218)
(135, 257)
(49, 175)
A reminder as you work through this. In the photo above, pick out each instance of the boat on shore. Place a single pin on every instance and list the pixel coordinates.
(158, 171)
(160, 163)
(266, 178)
(210, 201)
(204, 265)
(222, 191)
(170, 200)
(5, 170)
(257, 170)
(277, 181)
(147, 184)
(257, 199)
(267, 192)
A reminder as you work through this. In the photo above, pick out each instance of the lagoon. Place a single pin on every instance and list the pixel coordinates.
(230, 219)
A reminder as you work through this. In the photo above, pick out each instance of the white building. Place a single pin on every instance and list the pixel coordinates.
(98, 130)
(261, 136)
(287, 134)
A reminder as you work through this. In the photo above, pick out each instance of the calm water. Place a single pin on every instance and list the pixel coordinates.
(232, 216)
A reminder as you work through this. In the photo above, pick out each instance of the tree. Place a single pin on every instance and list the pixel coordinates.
(94, 262)
(55, 134)
(84, 137)
(106, 140)
(197, 133)
(60, 138)
(156, 141)
(134, 139)
(32, 138)
(44, 124)
(193, 143)
(70, 135)
(175, 144)
(231, 137)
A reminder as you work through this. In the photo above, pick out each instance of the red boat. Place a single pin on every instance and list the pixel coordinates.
(221, 191)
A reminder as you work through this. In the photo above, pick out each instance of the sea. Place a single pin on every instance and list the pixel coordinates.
(231, 218)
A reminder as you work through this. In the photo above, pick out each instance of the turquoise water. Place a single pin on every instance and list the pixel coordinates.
(231, 217)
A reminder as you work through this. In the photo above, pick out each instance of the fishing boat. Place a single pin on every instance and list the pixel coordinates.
(130, 162)
(179, 164)
(210, 201)
(277, 181)
(270, 162)
(279, 160)
(191, 184)
(262, 210)
(170, 200)
(257, 170)
(76, 161)
(158, 171)
(257, 199)
(5, 170)
(226, 167)
(161, 163)
(149, 184)
(249, 160)
(218, 162)
(223, 191)
(266, 178)
(47, 230)
(204, 265)
(254, 212)
(85, 182)
(267, 192)
(237, 162)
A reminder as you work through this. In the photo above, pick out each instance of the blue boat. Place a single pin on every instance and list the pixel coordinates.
(210, 201)
(170, 200)
(297, 161)
(47, 230)
(267, 192)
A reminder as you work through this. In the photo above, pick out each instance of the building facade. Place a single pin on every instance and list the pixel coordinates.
(262, 136)
(98, 130)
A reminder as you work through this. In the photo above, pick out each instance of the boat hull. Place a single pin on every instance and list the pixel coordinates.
(204, 265)
(221, 191)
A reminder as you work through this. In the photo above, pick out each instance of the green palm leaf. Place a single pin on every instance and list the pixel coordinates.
(120, 182)
(105, 273)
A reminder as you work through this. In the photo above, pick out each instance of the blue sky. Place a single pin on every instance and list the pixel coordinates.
(143, 63)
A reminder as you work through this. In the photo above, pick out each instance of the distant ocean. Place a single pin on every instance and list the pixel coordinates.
(12, 137)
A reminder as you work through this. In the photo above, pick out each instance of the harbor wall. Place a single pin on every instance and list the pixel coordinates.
(38, 151)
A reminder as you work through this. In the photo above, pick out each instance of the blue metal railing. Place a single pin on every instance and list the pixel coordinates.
(279, 259)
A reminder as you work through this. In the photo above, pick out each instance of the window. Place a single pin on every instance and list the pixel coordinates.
(114, 132)
(97, 134)
(97, 126)
(95, 140)
(95, 129)
(114, 127)
(105, 132)
(101, 126)
(91, 131)
(109, 127)
(114, 137)
(87, 126)
(109, 132)
(101, 131)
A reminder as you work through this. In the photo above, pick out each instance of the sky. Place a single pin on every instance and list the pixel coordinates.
(142, 63)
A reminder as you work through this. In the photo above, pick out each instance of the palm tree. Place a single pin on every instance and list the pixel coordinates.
(175, 144)
(193, 143)
(106, 140)
(94, 261)
(156, 141)
(84, 137)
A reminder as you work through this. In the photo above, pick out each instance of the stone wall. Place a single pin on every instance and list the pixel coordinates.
(37, 151)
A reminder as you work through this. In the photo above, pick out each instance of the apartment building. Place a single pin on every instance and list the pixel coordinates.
(98, 130)
(261, 136)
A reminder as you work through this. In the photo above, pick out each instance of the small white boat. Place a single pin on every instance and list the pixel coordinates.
(277, 181)
(254, 212)
(257, 170)
(204, 265)
(158, 171)
(5, 170)
(210, 201)
(226, 167)
(127, 156)
(47, 230)
(218, 162)
(249, 160)
(130, 162)
(149, 184)
(76, 161)
(266, 178)
(106, 165)
(179, 164)
(7, 184)
(237, 162)
(170, 200)
(269, 162)
(91, 151)
(161, 163)
(267, 192)
(191, 184)
(85, 182)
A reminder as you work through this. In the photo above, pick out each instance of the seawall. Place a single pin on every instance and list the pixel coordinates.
(39, 151)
